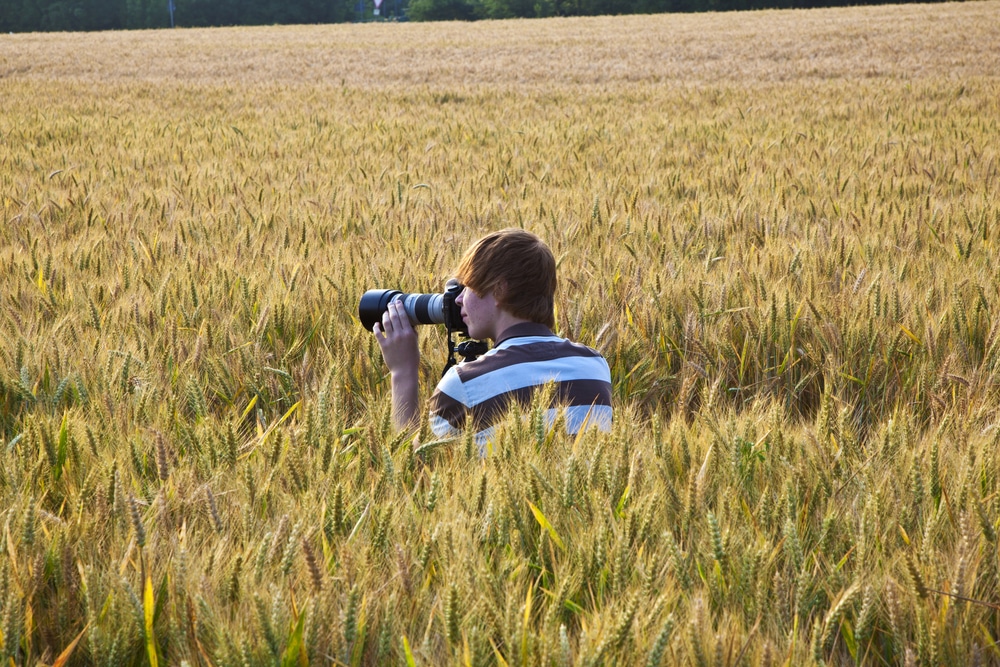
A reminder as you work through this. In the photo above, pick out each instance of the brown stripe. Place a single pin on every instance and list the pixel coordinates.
(570, 393)
(524, 329)
(530, 352)
(447, 408)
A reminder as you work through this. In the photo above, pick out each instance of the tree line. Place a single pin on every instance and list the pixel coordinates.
(78, 15)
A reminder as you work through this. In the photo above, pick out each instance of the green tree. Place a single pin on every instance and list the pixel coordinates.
(443, 10)
(20, 16)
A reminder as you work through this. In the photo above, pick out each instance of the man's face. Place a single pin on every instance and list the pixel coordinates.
(479, 313)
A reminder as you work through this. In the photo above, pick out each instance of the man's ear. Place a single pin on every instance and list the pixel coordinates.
(500, 290)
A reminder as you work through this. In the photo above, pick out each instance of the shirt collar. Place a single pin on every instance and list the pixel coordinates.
(522, 329)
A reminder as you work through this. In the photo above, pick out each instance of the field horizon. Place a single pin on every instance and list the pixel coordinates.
(896, 42)
(780, 228)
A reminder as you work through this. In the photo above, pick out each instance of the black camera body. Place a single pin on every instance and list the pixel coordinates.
(420, 308)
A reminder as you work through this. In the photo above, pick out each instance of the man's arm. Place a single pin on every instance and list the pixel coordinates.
(398, 341)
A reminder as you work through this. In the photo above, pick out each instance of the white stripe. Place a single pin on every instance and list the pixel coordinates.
(442, 428)
(527, 340)
(534, 373)
(582, 416)
(483, 439)
(452, 385)
(577, 417)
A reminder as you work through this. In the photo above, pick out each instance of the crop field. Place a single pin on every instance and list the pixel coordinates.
(781, 228)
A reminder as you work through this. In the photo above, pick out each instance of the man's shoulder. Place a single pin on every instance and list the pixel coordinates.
(528, 351)
(545, 347)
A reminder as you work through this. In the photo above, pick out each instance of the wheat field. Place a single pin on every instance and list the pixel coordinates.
(781, 228)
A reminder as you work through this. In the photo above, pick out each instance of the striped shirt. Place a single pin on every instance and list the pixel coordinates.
(526, 357)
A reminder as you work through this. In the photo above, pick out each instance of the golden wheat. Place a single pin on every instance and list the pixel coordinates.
(780, 228)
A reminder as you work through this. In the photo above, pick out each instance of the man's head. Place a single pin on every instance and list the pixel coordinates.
(517, 268)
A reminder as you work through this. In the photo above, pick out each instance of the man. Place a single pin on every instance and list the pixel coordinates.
(510, 282)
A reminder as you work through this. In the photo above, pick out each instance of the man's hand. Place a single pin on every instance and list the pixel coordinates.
(398, 341)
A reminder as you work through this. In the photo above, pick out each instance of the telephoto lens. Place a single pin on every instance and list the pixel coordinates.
(420, 308)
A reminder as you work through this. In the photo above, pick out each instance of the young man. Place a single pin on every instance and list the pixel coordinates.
(510, 282)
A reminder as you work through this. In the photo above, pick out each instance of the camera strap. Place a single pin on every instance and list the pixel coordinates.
(451, 353)
(469, 350)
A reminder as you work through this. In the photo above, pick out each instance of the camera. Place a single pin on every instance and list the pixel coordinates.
(420, 308)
